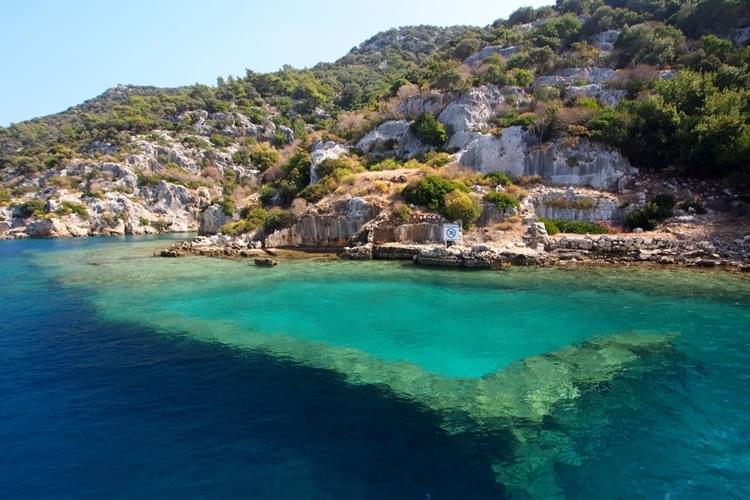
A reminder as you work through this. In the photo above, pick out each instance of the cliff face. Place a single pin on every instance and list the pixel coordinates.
(337, 227)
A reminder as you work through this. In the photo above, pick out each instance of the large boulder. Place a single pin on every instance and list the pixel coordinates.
(584, 163)
(470, 113)
(165, 196)
(47, 228)
(393, 138)
(488, 153)
(122, 175)
(212, 219)
(428, 102)
(321, 152)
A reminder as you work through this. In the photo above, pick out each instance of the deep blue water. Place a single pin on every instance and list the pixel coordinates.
(93, 410)
(96, 408)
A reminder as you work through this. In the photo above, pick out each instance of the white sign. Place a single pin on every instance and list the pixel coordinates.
(452, 232)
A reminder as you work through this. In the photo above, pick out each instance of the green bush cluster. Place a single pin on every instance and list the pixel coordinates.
(429, 130)
(650, 215)
(69, 207)
(228, 205)
(260, 155)
(294, 176)
(35, 207)
(5, 196)
(431, 190)
(448, 197)
(461, 206)
(502, 200)
(694, 120)
(556, 226)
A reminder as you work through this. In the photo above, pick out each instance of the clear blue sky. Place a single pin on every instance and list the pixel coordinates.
(59, 53)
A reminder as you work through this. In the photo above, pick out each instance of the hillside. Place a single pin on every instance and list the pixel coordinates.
(618, 115)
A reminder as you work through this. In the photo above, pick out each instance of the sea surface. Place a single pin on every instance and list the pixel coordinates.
(123, 375)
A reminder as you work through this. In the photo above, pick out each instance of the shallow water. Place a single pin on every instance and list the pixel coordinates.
(129, 375)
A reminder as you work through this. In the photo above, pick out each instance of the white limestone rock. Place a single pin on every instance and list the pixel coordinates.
(321, 152)
(470, 113)
(392, 137)
(576, 76)
(488, 153)
(428, 102)
(212, 219)
(582, 164)
(605, 41)
(605, 96)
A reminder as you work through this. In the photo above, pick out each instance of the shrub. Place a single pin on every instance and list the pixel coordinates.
(278, 219)
(650, 215)
(237, 228)
(461, 206)
(263, 156)
(498, 178)
(69, 207)
(466, 47)
(388, 164)
(402, 214)
(30, 208)
(220, 141)
(4, 196)
(653, 43)
(315, 192)
(227, 205)
(429, 130)
(437, 159)
(523, 77)
(430, 191)
(503, 201)
(555, 226)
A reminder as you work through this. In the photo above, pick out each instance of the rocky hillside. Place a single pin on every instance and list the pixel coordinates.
(590, 116)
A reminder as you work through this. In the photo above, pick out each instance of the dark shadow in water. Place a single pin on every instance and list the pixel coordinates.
(94, 409)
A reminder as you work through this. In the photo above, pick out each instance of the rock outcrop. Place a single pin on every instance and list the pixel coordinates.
(470, 113)
(577, 204)
(333, 229)
(502, 51)
(321, 152)
(576, 76)
(431, 102)
(605, 41)
(605, 96)
(583, 163)
(392, 138)
(212, 219)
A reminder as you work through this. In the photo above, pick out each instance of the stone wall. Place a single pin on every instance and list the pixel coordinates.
(577, 204)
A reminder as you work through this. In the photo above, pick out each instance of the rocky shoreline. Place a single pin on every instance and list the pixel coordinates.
(540, 250)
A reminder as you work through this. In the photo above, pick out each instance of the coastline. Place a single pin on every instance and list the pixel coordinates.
(566, 252)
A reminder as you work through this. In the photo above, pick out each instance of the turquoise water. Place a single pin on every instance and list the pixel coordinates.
(473, 349)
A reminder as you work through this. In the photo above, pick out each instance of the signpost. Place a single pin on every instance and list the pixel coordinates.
(452, 233)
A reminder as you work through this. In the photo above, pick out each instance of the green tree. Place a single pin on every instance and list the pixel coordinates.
(652, 43)
(429, 130)
(462, 206)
